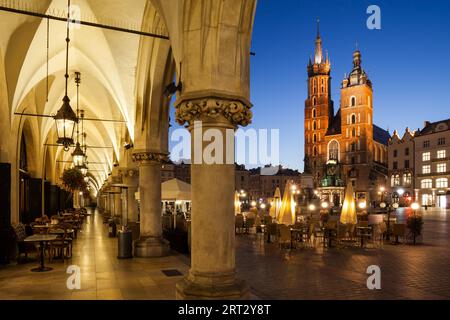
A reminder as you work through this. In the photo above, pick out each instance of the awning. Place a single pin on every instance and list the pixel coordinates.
(174, 189)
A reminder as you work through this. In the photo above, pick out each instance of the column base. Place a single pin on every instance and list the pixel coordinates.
(151, 247)
(212, 287)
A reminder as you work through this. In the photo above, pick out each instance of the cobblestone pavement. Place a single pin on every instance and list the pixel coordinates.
(407, 271)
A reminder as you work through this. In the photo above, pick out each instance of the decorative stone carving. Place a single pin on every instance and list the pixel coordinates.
(150, 157)
(234, 111)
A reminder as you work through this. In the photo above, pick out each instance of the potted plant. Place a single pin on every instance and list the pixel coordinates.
(73, 180)
(415, 224)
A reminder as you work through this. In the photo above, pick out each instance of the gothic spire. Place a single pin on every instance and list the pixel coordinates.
(318, 56)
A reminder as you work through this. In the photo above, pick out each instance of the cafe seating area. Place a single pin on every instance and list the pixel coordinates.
(371, 231)
(62, 229)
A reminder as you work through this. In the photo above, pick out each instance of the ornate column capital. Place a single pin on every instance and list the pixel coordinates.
(146, 157)
(235, 111)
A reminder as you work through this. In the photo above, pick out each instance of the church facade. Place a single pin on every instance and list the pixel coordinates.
(345, 146)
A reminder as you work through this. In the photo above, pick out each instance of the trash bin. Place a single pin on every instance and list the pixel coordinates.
(125, 238)
(112, 228)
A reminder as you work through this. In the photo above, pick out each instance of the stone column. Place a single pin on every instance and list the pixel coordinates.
(131, 179)
(212, 273)
(117, 203)
(150, 243)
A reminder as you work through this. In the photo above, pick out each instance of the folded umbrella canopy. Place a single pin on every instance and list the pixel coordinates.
(276, 204)
(237, 203)
(287, 210)
(348, 214)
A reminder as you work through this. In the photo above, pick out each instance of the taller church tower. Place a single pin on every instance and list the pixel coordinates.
(318, 110)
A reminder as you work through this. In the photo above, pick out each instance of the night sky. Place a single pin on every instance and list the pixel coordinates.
(408, 62)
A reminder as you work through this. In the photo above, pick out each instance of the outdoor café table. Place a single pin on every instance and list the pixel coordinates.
(42, 239)
(363, 232)
(328, 234)
(297, 233)
(61, 231)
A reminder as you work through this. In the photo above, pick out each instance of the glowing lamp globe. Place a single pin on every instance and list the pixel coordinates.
(362, 205)
(78, 156)
(65, 120)
(415, 206)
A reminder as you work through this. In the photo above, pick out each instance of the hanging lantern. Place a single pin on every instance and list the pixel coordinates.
(78, 156)
(65, 120)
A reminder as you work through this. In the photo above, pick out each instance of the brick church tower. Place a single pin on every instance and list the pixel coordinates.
(318, 110)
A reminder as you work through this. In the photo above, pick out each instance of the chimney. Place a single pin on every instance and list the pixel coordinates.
(426, 123)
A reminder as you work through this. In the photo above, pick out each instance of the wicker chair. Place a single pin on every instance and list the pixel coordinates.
(20, 233)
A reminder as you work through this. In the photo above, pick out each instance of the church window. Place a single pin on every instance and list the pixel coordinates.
(314, 125)
(314, 101)
(352, 101)
(333, 150)
(314, 113)
(353, 119)
(314, 138)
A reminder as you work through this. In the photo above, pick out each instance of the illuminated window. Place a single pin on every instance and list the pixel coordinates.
(395, 180)
(333, 150)
(442, 183)
(426, 169)
(407, 179)
(426, 183)
(426, 156)
(441, 167)
(441, 154)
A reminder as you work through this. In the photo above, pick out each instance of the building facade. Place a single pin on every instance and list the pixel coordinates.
(432, 162)
(345, 146)
(401, 166)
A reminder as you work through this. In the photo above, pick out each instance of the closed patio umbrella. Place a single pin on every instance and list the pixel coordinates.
(237, 203)
(287, 210)
(276, 204)
(348, 214)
